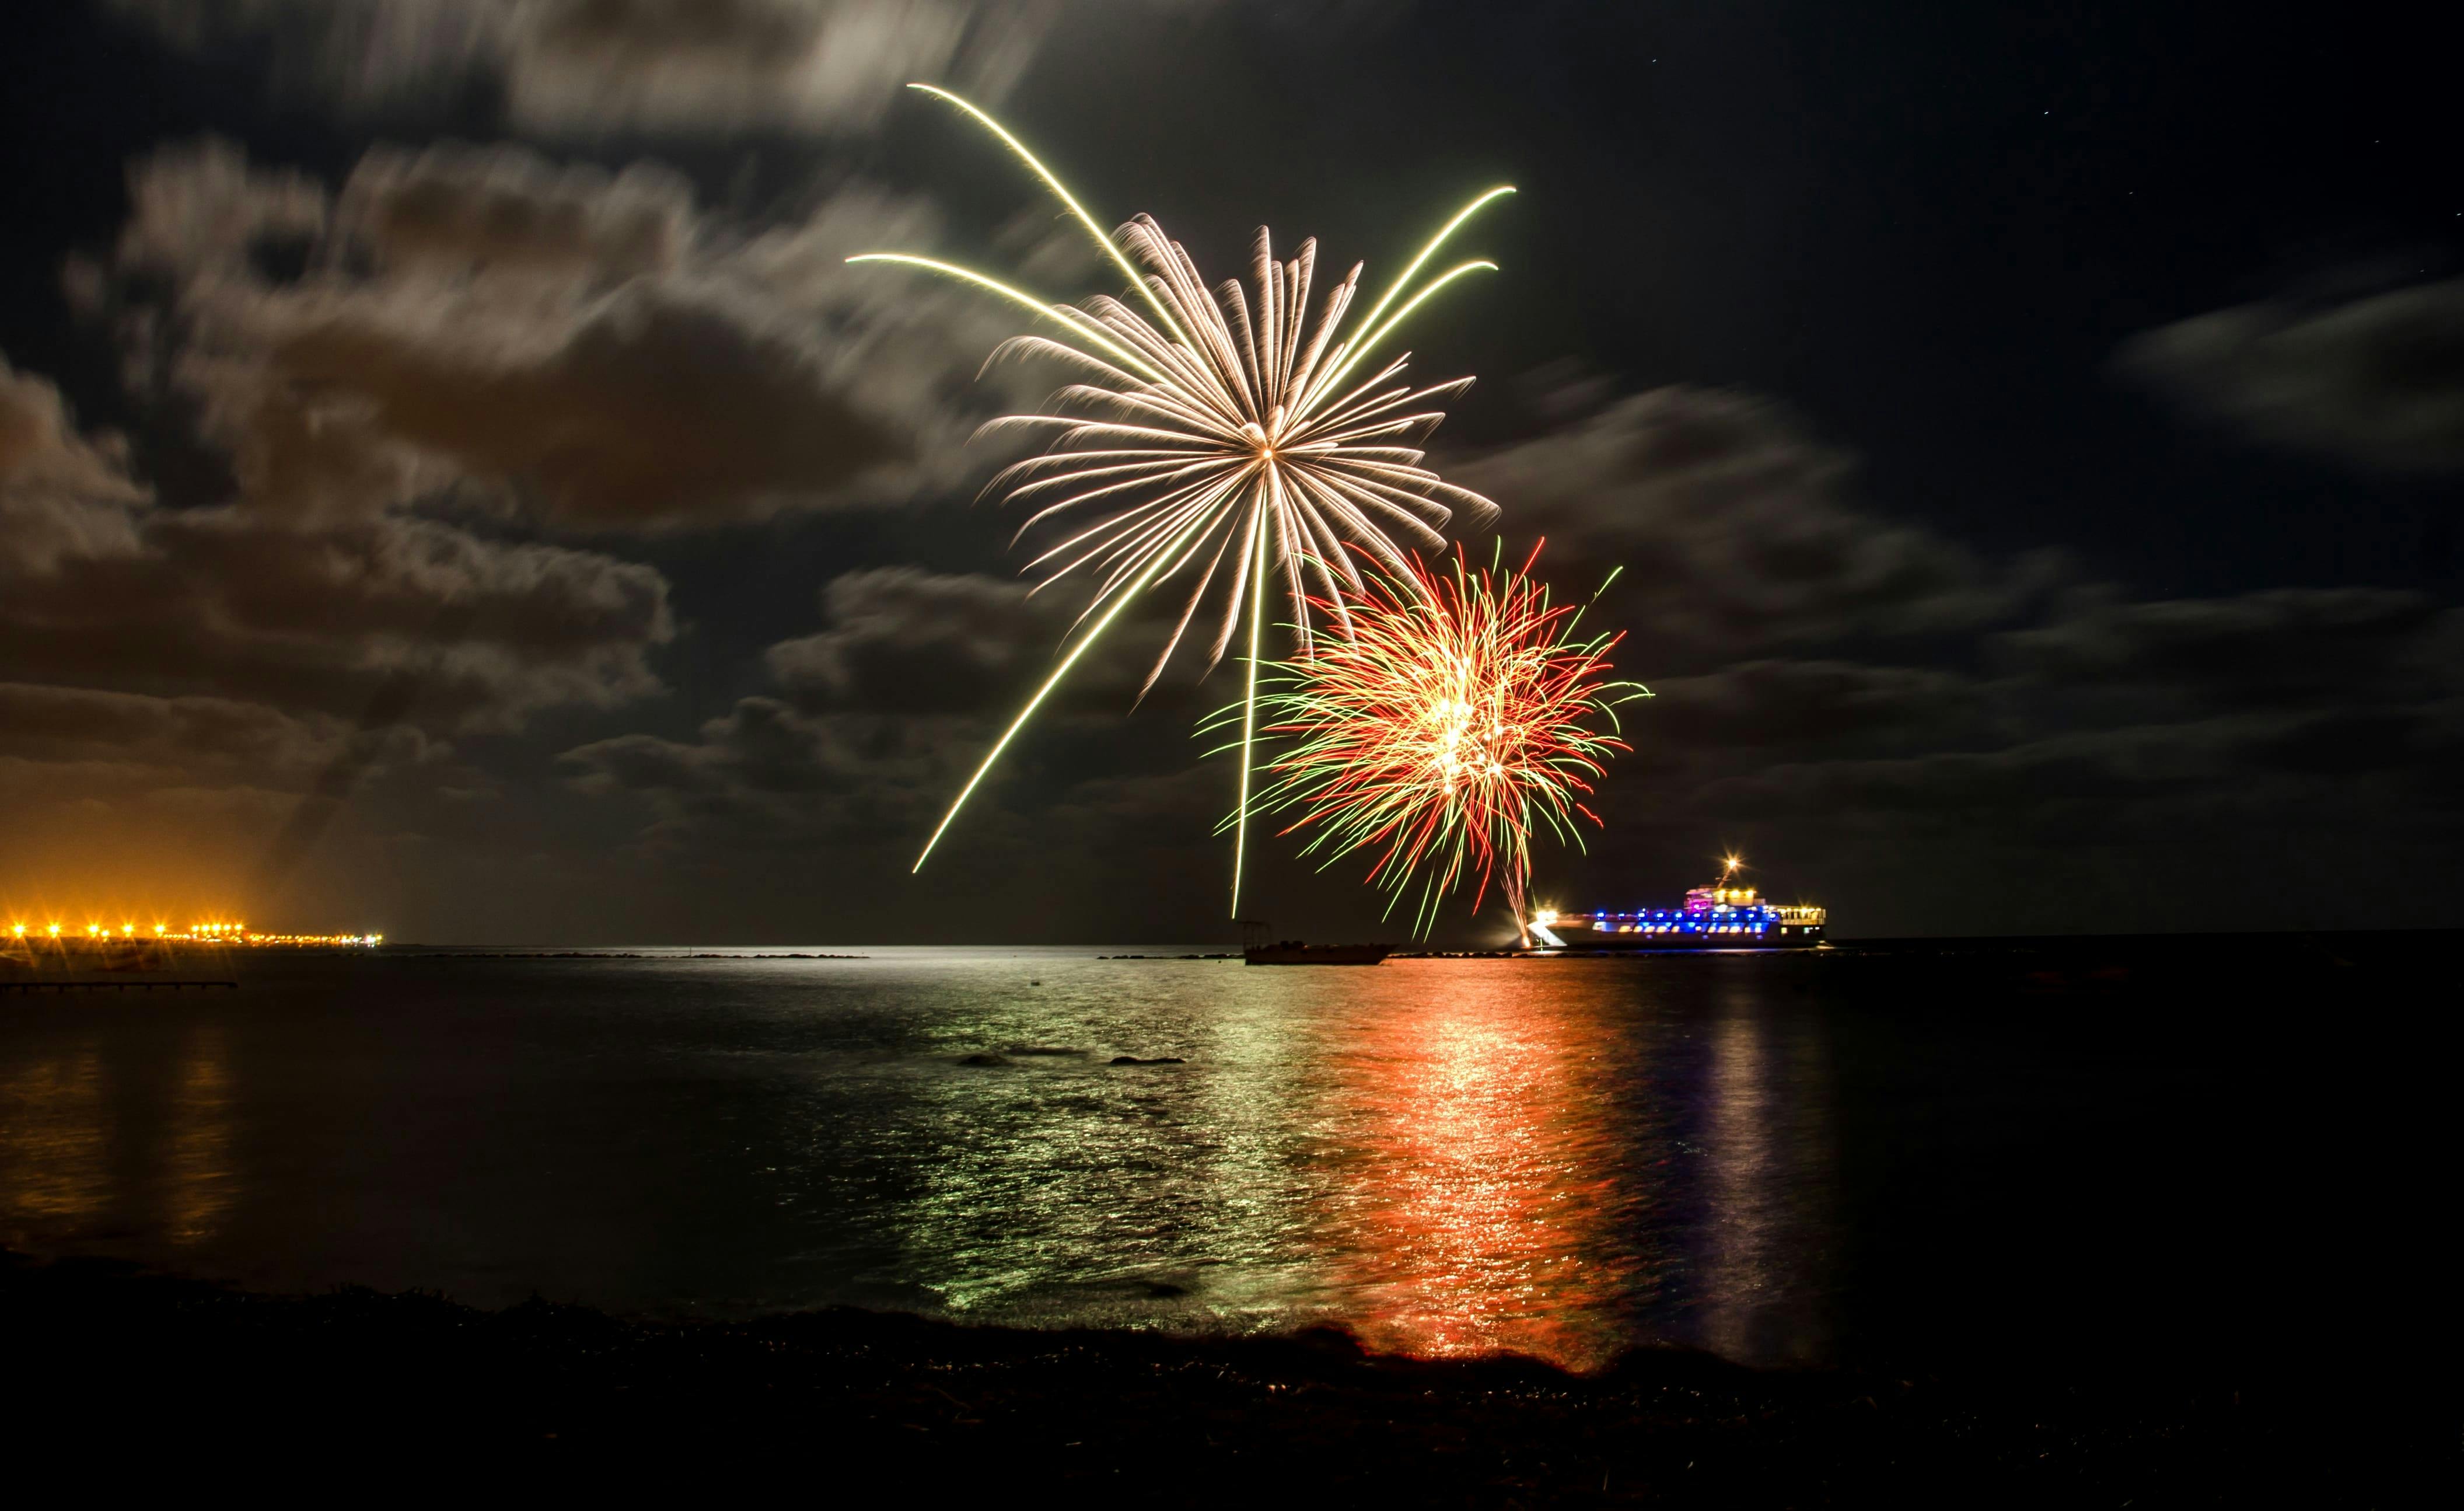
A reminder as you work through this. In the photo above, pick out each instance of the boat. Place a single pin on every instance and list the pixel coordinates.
(1256, 951)
(1725, 915)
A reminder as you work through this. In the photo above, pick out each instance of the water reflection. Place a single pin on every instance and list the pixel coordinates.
(103, 1138)
(1480, 1212)
(1051, 1187)
(196, 1171)
(55, 1132)
(1450, 1157)
(1767, 1188)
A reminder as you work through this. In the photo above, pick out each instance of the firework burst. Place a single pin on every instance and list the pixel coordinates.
(1221, 437)
(1456, 716)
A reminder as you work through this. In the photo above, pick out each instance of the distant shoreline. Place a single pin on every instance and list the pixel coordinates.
(2108, 957)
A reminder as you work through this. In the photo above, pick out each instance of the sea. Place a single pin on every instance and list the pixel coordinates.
(1905, 1155)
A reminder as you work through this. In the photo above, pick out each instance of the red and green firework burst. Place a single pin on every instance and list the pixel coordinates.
(1460, 714)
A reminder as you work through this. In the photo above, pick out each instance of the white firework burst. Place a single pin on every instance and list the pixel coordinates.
(1216, 422)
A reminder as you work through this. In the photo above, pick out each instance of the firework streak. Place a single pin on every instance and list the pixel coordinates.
(1219, 436)
(1453, 720)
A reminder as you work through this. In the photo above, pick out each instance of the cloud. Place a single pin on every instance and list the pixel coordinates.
(1945, 740)
(1836, 687)
(1735, 529)
(656, 407)
(590, 66)
(102, 587)
(909, 641)
(210, 601)
(2283, 706)
(768, 775)
(861, 790)
(2012, 786)
(199, 209)
(465, 209)
(261, 744)
(1738, 531)
(89, 756)
(1800, 706)
(61, 494)
(585, 345)
(2277, 648)
(369, 407)
(881, 715)
(914, 641)
(2306, 766)
(2378, 382)
(183, 682)
(731, 64)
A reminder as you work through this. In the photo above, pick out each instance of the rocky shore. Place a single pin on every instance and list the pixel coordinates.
(926, 1409)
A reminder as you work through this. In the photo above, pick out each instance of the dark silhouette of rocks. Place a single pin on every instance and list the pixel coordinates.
(353, 1383)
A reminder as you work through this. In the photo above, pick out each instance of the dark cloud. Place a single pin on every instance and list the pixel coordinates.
(469, 334)
(241, 740)
(914, 641)
(468, 209)
(655, 409)
(2271, 703)
(772, 785)
(2014, 789)
(768, 775)
(1956, 700)
(1799, 704)
(1982, 706)
(2376, 381)
(483, 322)
(115, 769)
(62, 495)
(884, 713)
(1735, 529)
(909, 641)
(416, 447)
(211, 602)
(187, 687)
(197, 210)
(101, 586)
(2295, 769)
(717, 64)
(2274, 648)
(587, 66)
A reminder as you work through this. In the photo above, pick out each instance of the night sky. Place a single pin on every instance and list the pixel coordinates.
(451, 484)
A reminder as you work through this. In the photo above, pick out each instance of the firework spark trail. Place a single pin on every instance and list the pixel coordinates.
(1218, 422)
(1456, 716)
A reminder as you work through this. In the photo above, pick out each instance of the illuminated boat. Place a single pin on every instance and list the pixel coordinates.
(1721, 916)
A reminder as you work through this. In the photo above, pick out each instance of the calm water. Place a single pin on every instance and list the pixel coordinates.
(1780, 1159)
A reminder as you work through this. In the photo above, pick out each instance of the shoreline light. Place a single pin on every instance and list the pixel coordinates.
(226, 934)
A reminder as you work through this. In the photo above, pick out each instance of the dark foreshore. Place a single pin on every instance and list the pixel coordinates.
(884, 1402)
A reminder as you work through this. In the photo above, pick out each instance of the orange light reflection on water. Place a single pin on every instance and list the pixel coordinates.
(86, 1154)
(1482, 1210)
